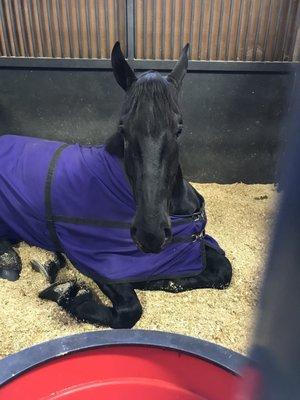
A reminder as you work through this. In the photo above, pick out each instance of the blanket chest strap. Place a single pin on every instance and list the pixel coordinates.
(48, 199)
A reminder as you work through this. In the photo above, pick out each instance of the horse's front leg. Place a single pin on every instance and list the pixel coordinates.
(83, 304)
(126, 309)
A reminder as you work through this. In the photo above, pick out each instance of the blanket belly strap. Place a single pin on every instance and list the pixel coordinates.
(121, 225)
(48, 200)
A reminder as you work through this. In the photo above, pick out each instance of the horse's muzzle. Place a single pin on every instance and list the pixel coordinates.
(151, 242)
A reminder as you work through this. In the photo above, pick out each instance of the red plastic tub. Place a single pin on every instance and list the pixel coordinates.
(124, 364)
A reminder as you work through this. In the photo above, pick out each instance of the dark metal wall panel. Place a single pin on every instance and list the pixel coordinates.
(234, 125)
(61, 28)
(234, 120)
(237, 30)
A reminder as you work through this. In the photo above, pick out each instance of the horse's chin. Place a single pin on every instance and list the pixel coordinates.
(147, 250)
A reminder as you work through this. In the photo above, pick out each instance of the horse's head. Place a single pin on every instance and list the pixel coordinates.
(149, 126)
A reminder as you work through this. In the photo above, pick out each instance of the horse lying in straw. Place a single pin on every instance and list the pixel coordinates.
(122, 212)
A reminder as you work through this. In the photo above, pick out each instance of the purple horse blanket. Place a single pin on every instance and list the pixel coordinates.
(77, 200)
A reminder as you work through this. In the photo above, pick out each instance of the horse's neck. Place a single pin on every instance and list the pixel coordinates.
(185, 199)
(115, 145)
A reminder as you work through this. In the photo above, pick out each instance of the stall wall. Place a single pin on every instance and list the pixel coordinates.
(56, 80)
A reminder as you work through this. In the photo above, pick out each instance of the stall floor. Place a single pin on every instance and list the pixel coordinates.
(240, 217)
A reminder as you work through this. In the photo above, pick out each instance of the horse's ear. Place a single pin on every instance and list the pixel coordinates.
(121, 69)
(177, 75)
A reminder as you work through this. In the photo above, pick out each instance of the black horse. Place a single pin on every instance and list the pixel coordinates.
(146, 142)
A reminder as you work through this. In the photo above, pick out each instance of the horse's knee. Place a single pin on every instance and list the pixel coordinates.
(127, 309)
(126, 316)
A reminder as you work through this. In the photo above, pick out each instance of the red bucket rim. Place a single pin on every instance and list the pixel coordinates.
(19, 363)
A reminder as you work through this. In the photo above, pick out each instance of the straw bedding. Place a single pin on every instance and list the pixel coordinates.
(240, 217)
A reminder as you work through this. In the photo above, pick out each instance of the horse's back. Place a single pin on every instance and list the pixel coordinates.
(24, 163)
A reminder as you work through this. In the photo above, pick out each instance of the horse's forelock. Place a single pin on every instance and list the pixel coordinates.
(151, 94)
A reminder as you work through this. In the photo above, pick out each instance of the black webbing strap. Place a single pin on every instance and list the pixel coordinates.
(48, 200)
(126, 225)
(108, 223)
(92, 222)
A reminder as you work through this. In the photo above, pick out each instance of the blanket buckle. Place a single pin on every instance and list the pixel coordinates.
(197, 236)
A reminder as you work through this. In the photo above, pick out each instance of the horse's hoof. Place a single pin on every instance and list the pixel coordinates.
(10, 265)
(60, 292)
(9, 274)
(50, 268)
